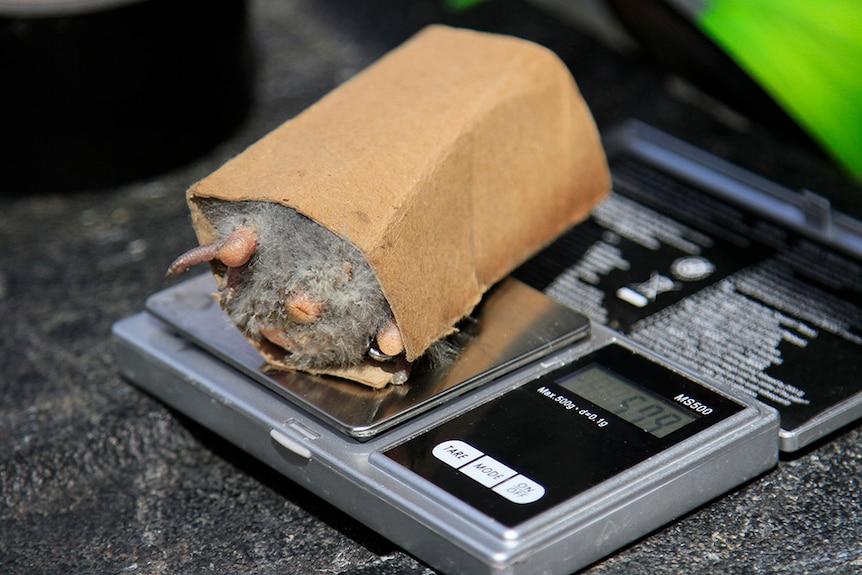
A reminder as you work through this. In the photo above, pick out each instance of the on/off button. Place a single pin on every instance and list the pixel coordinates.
(486, 470)
(520, 489)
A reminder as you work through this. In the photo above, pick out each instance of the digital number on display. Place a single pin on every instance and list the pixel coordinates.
(625, 399)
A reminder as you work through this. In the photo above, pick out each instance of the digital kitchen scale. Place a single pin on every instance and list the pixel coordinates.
(569, 425)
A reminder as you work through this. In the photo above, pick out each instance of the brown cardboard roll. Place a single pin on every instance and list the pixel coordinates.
(447, 163)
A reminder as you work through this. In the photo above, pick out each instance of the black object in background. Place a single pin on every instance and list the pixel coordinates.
(680, 47)
(102, 92)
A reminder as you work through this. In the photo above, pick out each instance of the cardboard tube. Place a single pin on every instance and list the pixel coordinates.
(448, 163)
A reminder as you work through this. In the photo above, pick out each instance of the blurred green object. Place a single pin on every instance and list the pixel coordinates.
(460, 5)
(807, 54)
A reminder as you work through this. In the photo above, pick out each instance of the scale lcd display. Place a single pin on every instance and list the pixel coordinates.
(623, 398)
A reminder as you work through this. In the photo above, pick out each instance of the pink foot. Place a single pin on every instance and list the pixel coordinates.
(389, 340)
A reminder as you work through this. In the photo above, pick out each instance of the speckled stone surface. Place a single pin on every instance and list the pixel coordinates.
(97, 477)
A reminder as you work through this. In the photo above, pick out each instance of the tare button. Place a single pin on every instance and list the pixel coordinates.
(456, 453)
(489, 472)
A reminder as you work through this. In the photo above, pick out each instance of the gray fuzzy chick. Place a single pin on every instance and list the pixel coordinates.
(295, 284)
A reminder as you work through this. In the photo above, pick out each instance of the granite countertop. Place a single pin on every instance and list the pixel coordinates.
(98, 477)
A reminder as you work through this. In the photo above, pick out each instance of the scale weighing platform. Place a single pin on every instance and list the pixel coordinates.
(588, 406)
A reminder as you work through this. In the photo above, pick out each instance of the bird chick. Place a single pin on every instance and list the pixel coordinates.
(292, 283)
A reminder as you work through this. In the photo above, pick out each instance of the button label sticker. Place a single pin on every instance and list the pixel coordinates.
(456, 453)
(489, 472)
(521, 490)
